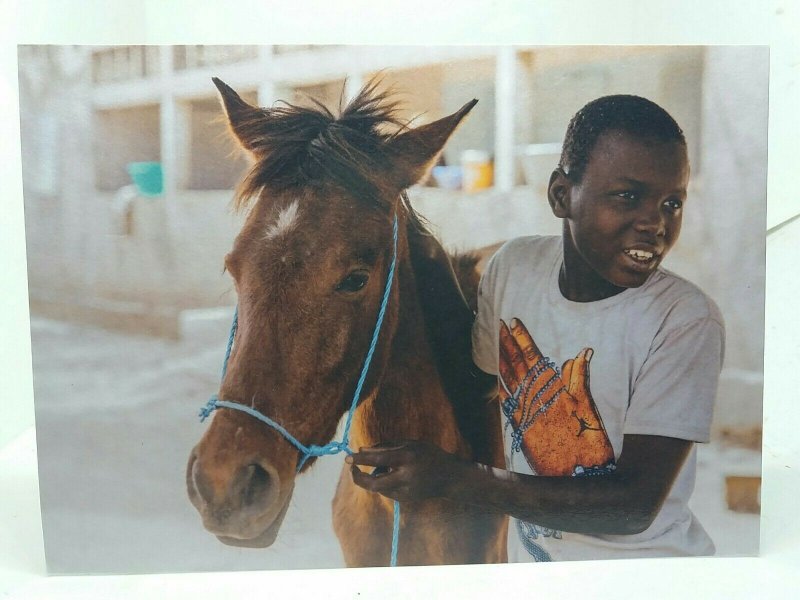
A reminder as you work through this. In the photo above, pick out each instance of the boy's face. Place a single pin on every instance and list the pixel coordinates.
(625, 214)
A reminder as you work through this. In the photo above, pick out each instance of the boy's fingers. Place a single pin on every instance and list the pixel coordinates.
(377, 457)
(364, 479)
(387, 482)
(382, 446)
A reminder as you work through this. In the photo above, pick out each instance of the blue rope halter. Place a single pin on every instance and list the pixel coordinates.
(332, 447)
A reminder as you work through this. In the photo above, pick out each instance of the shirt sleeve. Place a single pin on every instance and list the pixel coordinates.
(485, 329)
(674, 393)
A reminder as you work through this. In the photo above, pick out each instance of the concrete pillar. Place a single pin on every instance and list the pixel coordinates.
(267, 93)
(505, 94)
(168, 125)
(355, 81)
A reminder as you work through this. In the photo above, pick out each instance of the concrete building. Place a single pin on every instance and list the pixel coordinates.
(134, 262)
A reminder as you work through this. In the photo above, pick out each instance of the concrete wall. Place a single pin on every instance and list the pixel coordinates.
(124, 136)
(723, 243)
(433, 92)
(57, 173)
(215, 161)
(138, 272)
(90, 257)
(554, 83)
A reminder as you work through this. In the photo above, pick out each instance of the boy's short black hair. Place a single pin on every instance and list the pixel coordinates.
(632, 114)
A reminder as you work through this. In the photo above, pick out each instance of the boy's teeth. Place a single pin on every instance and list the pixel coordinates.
(639, 254)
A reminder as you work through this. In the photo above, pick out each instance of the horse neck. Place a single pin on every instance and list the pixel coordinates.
(410, 401)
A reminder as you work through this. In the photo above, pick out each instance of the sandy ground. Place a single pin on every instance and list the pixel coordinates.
(116, 419)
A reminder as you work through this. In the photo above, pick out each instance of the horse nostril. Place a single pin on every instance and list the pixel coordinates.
(255, 484)
(199, 487)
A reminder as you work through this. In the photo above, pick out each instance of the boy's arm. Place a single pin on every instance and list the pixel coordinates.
(623, 502)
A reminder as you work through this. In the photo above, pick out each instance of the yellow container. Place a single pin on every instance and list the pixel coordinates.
(477, 170)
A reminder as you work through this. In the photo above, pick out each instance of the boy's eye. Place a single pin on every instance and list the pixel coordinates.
(674, 204)
(631, 197)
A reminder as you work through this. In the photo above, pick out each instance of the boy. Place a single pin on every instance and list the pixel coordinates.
(600, 466)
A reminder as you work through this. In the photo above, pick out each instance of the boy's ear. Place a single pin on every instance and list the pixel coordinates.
(558, 193)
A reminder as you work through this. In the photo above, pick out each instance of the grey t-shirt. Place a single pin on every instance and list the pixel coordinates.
(656, 354)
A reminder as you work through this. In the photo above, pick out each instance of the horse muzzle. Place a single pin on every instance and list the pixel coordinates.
(242, 506)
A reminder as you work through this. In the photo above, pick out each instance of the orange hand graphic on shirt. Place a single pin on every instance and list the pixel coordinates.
(555, 420)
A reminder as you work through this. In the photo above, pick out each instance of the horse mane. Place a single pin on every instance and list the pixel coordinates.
(310, 146)
(442, 280)
(465, 266)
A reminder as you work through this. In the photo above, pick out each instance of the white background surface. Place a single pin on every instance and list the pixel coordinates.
(663, 21)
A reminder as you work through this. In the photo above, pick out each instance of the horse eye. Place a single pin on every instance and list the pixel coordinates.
(353, 282)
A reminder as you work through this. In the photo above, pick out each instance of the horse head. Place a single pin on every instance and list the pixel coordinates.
(309, 267)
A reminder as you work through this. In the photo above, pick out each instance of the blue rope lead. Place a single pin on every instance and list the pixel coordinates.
(395, 533)
(307, 451)
(234, 327)
(331, 447)
(375, 333)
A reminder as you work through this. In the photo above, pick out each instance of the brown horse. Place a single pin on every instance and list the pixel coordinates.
(309, 266)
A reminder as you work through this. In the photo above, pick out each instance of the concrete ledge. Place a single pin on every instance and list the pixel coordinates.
(130, 317)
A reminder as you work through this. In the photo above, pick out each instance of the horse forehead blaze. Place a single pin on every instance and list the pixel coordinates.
(316, 238)
(288, 263)
(285, 221)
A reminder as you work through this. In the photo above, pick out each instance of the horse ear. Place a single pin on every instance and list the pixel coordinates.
(242, 117)
(417, 150)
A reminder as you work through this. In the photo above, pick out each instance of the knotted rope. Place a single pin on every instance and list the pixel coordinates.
(332, 447)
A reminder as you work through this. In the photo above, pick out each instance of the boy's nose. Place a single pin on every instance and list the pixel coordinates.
(651, 221)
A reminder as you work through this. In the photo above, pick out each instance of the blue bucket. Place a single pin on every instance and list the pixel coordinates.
(147, 177)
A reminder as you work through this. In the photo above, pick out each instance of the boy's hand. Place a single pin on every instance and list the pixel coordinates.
(404, 471)
(556, 423)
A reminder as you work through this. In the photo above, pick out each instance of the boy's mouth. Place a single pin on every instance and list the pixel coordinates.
(641, 257)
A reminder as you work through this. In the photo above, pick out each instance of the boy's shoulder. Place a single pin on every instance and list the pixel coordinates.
(528, 251)
(523, 260)
(680, 300)
(528, 243)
